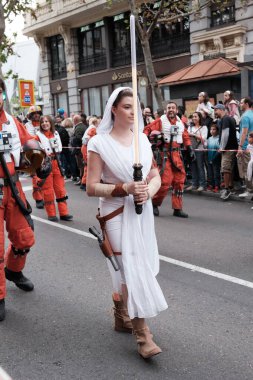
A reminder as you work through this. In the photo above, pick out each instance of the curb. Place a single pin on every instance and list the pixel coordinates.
(210, 194)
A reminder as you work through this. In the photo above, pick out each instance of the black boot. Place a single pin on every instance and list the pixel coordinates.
(53, 218)
(155, 210)
(40, 204)
(2, 310)
(19, 280)
(66, 217)
(180, 213)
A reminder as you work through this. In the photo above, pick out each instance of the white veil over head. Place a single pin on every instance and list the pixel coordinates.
(106, 123)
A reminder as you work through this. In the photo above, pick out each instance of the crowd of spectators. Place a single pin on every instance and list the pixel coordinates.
(221, 136)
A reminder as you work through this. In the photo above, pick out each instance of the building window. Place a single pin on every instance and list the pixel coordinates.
(57, 54)
(94, 100)
(170, 39)
(121, 44)
(222, 15)
(61, 101)
(251, 83)
(92, 47)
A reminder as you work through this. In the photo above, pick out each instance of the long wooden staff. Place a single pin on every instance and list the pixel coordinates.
(137, 166)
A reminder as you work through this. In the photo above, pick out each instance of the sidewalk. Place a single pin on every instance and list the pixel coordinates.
(233, 197)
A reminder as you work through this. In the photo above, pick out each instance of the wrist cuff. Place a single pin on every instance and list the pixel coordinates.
(119, 191)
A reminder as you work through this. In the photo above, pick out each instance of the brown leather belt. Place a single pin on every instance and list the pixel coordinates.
(103, 219)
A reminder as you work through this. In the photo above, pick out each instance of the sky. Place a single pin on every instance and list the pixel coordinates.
(27, 51)
(16, 27)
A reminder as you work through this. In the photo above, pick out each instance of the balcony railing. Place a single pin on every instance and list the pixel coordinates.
(92, 63)
(172, 46)
(59, 72)
(122, 56)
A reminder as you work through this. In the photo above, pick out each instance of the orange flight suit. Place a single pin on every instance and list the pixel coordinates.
(37, 195)
(54, 185)
(172, 170)
(20, 233)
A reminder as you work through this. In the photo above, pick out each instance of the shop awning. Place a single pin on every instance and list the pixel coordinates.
(203, 70)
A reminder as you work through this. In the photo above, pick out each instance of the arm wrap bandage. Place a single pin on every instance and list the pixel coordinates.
(109, 190)
(153, 186)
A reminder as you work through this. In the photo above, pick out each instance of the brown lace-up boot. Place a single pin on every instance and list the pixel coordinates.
(146, 346)
(122, 321)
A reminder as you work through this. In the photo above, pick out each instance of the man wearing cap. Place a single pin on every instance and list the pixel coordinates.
(32, 126)
(228, 147)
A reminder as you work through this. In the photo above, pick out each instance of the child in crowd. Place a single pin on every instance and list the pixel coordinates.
(54, 183)
(214, 159)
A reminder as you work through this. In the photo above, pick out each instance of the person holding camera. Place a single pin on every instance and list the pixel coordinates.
(173, 134)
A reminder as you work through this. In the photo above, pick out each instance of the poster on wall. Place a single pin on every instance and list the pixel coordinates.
(26, 93)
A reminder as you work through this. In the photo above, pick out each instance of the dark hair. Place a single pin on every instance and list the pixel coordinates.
(205, 96)
(200, 117)
(151, 109)
(181, 111)
(84, 118)
(122, 94)
(51, 121)
(2, 85)
(214, 125)
(251, 134)
(171, 102)
(248, 100)
(160, 111)
(231, 96)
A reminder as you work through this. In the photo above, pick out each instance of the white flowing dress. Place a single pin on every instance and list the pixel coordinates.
(129, 233)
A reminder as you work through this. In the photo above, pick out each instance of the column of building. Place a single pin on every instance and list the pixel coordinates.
(45, 74)
(71, 53)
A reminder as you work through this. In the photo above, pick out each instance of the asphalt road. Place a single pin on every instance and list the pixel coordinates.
(63, 329)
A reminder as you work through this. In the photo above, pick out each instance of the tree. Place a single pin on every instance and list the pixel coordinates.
(8, 10)
(149, 13)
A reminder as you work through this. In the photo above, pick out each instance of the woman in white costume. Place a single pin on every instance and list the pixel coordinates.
(132, 236)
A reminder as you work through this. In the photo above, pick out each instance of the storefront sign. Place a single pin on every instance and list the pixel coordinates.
(126, 75)
(26, 93)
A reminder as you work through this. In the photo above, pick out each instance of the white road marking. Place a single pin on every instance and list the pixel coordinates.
(27, 188)
(195, 268)
(169, 260)
(63, 227)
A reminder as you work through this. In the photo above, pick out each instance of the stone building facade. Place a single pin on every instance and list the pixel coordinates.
(85, 50)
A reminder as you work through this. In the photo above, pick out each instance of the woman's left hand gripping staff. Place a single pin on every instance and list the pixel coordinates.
(139, 191)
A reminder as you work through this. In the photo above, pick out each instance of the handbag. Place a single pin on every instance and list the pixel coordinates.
(194, 141)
